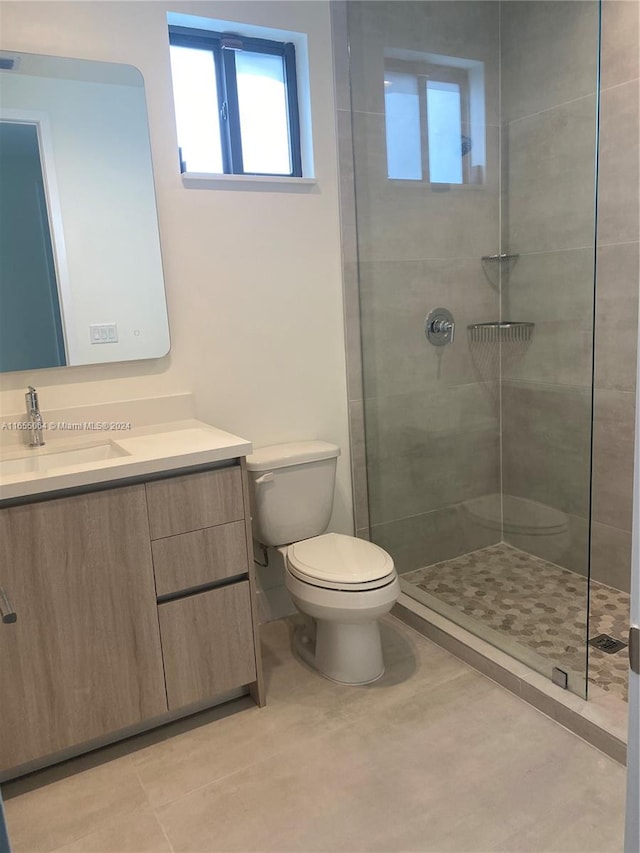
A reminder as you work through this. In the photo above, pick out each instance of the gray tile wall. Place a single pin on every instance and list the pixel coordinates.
(618, 265)
(432, 420)
(431, 416)
(549, 54)
(548, 217)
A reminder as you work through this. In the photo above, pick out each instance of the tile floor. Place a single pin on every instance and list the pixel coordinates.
(433, 757)
(538, 604)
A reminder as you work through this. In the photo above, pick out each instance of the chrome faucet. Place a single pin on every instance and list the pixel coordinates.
(34, 418)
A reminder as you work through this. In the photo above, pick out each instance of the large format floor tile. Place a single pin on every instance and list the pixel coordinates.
(432, 757)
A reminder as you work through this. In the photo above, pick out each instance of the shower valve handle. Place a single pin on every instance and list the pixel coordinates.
(439, 327)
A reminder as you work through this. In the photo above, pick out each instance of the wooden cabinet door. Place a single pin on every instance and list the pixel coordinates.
(83, 658)
(207, 640)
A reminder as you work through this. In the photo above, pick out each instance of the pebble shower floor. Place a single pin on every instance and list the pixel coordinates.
(538, 604)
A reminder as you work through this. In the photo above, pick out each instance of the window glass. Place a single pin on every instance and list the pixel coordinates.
(262, 102)
(196, 102)
(444, 129)
(402, 119)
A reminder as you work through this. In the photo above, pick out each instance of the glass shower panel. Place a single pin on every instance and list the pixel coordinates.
(478, 451)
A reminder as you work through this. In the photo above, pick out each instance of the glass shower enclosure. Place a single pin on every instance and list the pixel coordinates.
(475, 168)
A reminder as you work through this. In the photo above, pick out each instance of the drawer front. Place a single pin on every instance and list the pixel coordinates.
(181, 504)
(203, 556)
(207, 644)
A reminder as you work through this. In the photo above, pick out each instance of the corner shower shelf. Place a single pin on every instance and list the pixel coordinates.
(503, 331)
(500, 258)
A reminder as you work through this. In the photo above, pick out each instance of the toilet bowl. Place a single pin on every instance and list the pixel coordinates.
(342, 584)
(345, 585)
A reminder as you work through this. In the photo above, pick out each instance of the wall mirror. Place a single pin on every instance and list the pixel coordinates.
(80, 266)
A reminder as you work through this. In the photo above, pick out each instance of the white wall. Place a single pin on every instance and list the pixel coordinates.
(253, 278)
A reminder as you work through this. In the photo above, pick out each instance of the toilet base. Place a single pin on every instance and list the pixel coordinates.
(343, 652)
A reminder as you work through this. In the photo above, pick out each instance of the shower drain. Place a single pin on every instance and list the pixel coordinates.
(607, 644)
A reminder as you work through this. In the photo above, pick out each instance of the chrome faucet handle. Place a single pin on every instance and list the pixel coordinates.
(31, 397)
(440, 327)
(36, 438)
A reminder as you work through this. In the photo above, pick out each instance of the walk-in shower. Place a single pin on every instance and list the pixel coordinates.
(473, 131)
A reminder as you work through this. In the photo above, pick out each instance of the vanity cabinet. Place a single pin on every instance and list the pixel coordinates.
(201, 551)
(83, 658)
(134, 604)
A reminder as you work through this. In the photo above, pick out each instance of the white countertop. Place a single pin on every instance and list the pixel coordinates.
(142, 451)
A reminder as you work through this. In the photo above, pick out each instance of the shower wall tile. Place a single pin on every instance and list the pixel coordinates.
(399, 220)
(395, 297)
(348, 222)
(611, 556)
(352, 330)
(616, 293)
(619, 164)
(551, 179)
(340, 44)
(421, 540)
(567, 546)
(546, 438)
(411, 223)
(617, 316)
(620, 41)
(545, 158)
(466, 30)
(554, 290)
(613, 435)
(426, 452)
(549, 54)
(359, 464)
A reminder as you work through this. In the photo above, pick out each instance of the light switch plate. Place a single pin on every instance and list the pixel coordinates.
(103, 333)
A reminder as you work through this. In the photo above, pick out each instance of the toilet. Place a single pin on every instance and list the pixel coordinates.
(343, 585)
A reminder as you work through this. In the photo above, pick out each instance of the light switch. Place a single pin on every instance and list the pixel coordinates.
(103, 333)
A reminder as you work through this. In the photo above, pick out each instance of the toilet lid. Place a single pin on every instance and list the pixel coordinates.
(337, 558)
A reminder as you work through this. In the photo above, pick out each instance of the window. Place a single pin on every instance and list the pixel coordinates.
(236, 103)
(427, 120)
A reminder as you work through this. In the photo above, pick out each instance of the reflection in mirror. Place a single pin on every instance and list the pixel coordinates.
(80, 265)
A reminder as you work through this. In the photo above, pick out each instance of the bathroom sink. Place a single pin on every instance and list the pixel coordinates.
(77, 461)
(39, 461)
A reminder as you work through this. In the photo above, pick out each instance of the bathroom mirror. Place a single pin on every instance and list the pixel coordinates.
(80, 266)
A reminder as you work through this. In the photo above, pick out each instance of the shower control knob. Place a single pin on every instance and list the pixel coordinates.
(439, 327)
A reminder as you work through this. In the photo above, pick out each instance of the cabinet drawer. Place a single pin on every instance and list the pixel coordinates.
(207, 644)
(203, 556)
(182, 504)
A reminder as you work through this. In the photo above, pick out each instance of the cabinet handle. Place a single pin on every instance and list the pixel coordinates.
(8, 614)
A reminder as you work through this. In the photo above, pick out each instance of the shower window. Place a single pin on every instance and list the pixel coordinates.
(427, 123)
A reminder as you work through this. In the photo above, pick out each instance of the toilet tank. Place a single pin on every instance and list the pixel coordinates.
(292, 488)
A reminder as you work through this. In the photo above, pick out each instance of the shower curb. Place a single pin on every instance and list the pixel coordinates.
(565, 708)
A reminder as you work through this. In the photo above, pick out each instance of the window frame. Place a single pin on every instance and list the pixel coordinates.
(223, 47)
(424, 71)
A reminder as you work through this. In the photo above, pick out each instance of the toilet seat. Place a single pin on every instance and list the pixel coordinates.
(336, 561)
